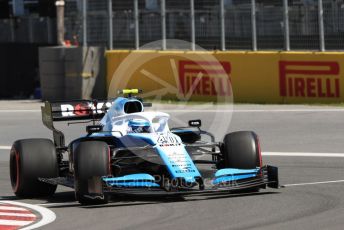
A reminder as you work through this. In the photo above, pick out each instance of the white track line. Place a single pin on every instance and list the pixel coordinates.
(301, 154)
(207, 110)
(285, 110)
(4, 147)
(20, 111)
(251, 110)
(50, 205)
(314, 183)
(279, 154)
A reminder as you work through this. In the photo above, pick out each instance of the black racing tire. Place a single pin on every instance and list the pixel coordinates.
(91, 161)
(31, 159)
(241, 150)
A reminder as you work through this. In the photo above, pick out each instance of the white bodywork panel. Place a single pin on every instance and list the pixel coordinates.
(118, 125)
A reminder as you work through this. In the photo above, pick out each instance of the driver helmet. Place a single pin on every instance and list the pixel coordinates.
(139, 126)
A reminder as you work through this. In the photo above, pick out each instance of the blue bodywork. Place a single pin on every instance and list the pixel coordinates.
(172, 152)
(178, 163)
(228, 175)
(133, 180)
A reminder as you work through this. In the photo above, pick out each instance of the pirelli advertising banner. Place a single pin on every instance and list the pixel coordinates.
(256, 77)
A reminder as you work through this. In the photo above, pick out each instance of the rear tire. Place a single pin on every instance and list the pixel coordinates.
(31, 159)
(91, 162)
(241, 150)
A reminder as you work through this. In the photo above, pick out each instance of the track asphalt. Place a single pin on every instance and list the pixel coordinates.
(302, 204)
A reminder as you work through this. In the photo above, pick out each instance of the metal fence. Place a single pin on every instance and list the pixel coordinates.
(211, 24)
(30, 29)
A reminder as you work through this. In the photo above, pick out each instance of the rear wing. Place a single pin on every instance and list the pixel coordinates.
(75, 110)
(72, 111)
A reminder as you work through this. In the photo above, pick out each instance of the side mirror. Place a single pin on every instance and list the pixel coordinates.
(147, 104)
(94, 128)
(195, 123)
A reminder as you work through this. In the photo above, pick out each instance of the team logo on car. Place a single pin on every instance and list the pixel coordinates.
(83, 109)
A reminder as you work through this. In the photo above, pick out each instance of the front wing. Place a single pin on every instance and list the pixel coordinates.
(266, 177)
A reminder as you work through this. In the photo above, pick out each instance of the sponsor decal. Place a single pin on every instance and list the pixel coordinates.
(83, 109)
(205, 78)
(318, 79)
(179, 160)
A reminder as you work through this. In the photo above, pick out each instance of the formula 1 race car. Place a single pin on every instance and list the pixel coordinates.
(130, 151)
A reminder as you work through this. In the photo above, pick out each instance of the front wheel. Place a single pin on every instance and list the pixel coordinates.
(91, 162)
(241, 150)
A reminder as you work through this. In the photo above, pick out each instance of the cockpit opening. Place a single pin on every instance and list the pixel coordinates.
(133, 107)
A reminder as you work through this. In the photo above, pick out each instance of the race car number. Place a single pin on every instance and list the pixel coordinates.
(167, 139)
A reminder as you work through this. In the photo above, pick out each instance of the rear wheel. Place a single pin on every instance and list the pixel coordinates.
(31, 159)
(241, 150)
(91, 162)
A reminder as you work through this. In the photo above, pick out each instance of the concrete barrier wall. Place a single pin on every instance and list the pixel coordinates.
(256, 77)
(72, 73)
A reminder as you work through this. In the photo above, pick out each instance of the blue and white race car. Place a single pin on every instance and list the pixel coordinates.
(130, 151)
